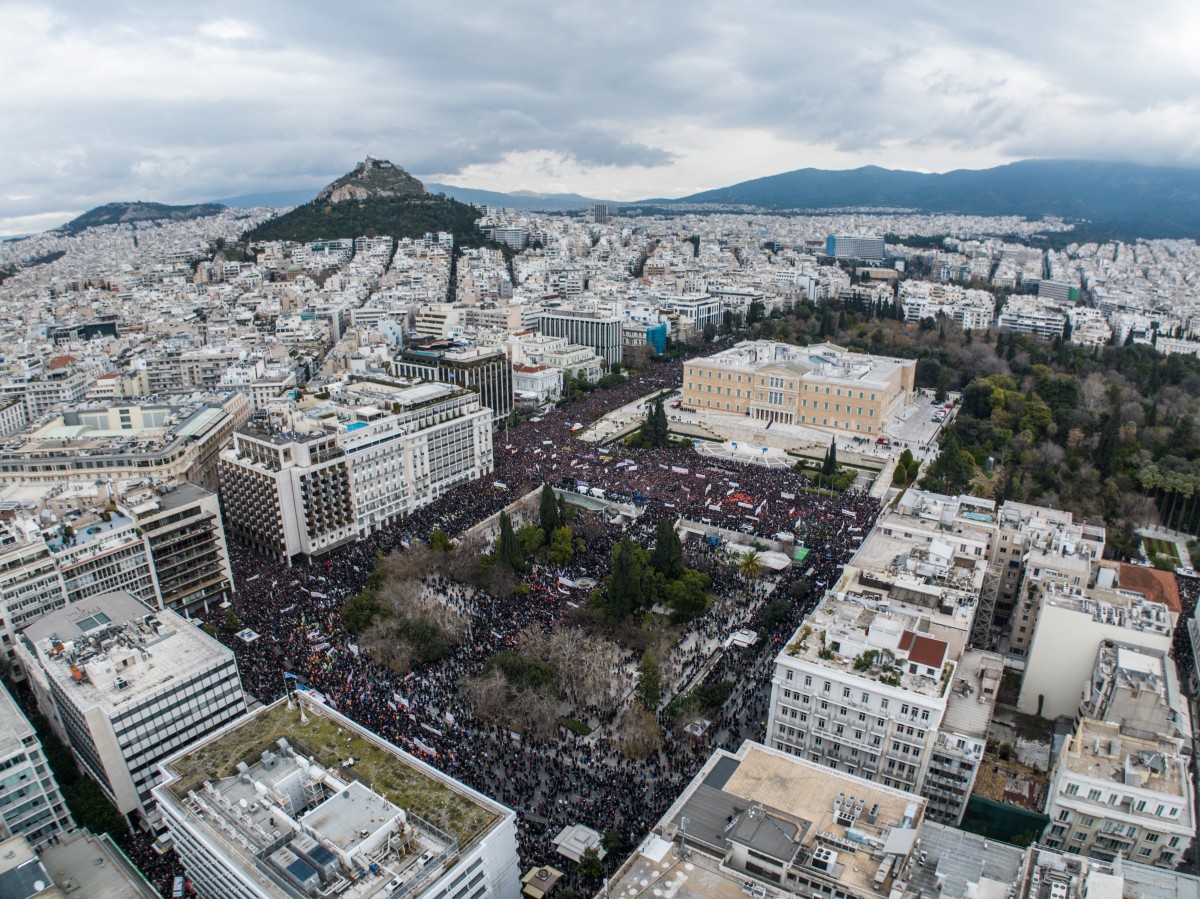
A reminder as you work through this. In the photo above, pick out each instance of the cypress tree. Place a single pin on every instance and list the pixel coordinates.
(624, 588)
(829, 465)
(667, 557)
(508, 550)
(548, 518)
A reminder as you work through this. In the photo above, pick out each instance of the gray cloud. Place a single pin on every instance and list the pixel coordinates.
(174, 102)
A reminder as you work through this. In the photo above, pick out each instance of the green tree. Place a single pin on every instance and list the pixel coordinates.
(548, 510)
(649, 682)
(628, 586)
(667, 557)
(508, 549)
(829, 464)
(687, 596)
(562, 546)
(590, 869)
(710, 332)
(750, 565)
(755, 313)
(952, 471)
(655, 430)
(439, 541)
(531, 538)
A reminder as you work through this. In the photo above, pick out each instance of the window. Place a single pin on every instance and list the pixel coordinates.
(1094, 796)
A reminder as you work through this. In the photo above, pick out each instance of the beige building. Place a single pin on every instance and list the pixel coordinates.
(1118, 793)
(822, 386)
(177, 439)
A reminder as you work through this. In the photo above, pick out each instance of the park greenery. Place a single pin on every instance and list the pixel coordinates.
(1108, 433)
(393, 617)
(639, 580)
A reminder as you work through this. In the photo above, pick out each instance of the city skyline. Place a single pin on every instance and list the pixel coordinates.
(161, 105)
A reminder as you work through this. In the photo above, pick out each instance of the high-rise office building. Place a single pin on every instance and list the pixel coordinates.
(847, 247)
(125, 686)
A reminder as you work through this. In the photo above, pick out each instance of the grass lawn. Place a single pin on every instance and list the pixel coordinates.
(1166, 548)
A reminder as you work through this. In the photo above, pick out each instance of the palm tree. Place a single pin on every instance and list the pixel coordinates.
(750, 565)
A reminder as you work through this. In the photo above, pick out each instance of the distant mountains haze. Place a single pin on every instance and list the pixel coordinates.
(1123, 198)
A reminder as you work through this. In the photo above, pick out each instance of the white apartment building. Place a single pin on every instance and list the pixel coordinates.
(1032, 315)
(30, 584)
(104, 553)
(264, 810)
(1071, 624)
(31, 803)
(969, 309)
(13, 416)
(58, 387)
(698, 308)
(301, 484)
(1022, 527)
(1114, 793)
(126, 686)
(175, 440)
(862, 689)
(759, 823)
(258, 383)
(537, 384)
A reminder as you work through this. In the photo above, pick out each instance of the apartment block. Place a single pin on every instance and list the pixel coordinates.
(593, 328)
(1115, 794)
(864, 688)
(1122, 603)
(285, 485)
(264, 809)
(484, 370)
(182, 525)
(759, 822)
(31, 803)
(846, 246)
(126, 686)
(300, 482)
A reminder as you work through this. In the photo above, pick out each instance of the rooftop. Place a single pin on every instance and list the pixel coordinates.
(828, 826)
(973, 693)
(824, 360)
(380, 769)
(14, 726)
(1100, 750)
(82, 859)
(961, 859)
(1155, 585)
(111, 650)
(876, 642)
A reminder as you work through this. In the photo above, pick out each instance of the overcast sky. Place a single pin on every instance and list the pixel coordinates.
(169, 101)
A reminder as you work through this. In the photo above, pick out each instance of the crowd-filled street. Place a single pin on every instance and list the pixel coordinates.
(564, 779)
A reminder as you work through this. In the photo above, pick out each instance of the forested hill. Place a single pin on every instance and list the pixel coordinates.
(119, 213)
(1144, 201)
(377, 197)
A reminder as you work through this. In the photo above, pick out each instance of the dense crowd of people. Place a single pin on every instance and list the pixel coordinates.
(565, 779)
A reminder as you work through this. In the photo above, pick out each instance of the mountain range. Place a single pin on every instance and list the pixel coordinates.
(1146, 201)
(1109, 198)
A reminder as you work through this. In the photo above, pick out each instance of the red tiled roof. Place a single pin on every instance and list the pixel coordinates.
(1155, 585)
(60, 361)
(923, 650)
(529, 369)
